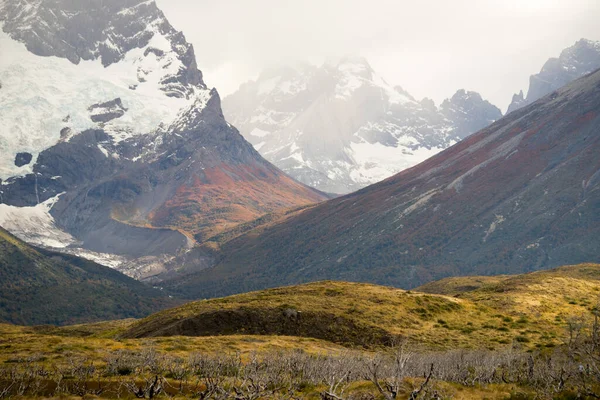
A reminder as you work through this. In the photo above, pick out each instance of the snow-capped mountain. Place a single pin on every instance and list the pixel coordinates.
(112, 147)
(574, 62)
(340, 127)
(64, 64)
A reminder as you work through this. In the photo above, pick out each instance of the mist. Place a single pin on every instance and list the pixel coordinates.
(431, 48)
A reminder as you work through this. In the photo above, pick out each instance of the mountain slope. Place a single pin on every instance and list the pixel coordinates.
(112, 146)
(574, 62)
(340, 127)
(42, 287)
(520, 195)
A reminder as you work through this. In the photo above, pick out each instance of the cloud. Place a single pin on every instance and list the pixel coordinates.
(430, 47)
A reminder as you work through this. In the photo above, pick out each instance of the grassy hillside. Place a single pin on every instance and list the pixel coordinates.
(495, 338)
(475, 312)
(42, 287)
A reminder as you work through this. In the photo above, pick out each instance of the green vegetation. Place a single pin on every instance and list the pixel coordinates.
(43, 287)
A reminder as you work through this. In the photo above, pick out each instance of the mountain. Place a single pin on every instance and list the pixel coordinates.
(340, 127)
(112, 146)
(43, 287)
(520, 195)
(574, 62)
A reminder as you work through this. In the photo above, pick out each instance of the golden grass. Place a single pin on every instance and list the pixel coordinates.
(472, 312)
(532, 310)
(56, 346)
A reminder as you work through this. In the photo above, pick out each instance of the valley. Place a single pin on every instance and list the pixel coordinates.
(317, 232)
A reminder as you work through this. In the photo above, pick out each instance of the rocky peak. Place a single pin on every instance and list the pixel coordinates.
(469, 112)
(106, 31)
(583, 55)
(341, 126)
(574, 62)
(112, 141)
(84, 55)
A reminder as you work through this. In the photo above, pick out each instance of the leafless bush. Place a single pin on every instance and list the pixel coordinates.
(338, 373)
(146, 388)
(388, 371)
(83, 378)
(402, 371)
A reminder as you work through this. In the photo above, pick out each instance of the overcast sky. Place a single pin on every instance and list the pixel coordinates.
(429, 47)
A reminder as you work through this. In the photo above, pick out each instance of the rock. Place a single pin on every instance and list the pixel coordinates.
(23, 159)
(65, 133)
(574, 62)
(107, 111)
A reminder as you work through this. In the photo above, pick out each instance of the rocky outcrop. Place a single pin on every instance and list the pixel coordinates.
(107, 111)
(22, 159)
(574, 62)
(469, 113)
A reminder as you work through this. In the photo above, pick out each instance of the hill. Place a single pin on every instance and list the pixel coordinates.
(518, 196)
(522, 336)
(43, 287)
(470, 312)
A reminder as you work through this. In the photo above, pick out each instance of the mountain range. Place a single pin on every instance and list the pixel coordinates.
(114, 149)
(341, 126)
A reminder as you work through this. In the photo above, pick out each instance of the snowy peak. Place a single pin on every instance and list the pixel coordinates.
(355, 66)
(352, 73)
(113, 144)
(105, 30)
(341, 126)
(64, 63)
(574, 62)
(277, 84)
(582, 56)
(470, 112)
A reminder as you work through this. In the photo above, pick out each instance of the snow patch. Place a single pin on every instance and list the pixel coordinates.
(259, 133)
(376, 161)
(108, 260)
(103, 150)
(35, 225)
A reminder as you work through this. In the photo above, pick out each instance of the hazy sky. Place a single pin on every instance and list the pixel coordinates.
(429, 47)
